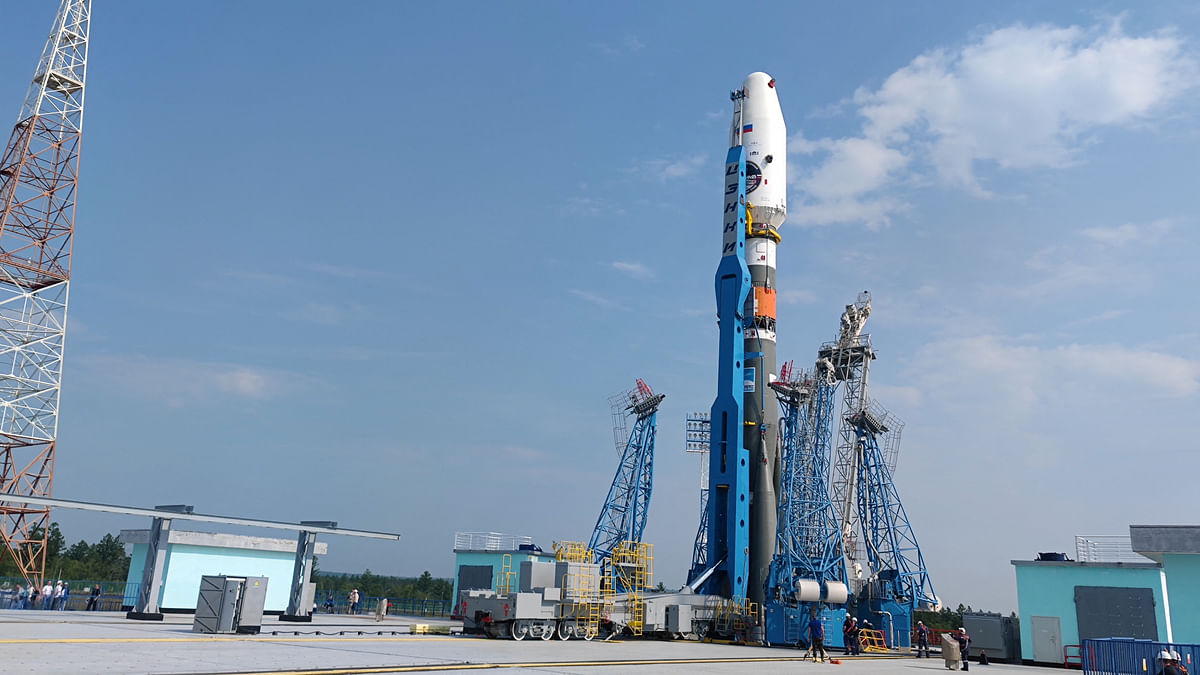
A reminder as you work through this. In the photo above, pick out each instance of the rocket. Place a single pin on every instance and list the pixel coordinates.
(759, 128)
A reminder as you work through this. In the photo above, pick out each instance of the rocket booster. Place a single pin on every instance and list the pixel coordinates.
(758, 126)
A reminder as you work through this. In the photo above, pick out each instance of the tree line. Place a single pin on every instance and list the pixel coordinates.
(369, 584)
(946, 618)
(103, 561)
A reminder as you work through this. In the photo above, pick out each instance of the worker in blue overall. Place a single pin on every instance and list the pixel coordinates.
(816, 638)
(922, 635)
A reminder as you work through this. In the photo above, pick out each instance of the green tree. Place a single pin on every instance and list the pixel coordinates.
(79, 551)
(55, 543)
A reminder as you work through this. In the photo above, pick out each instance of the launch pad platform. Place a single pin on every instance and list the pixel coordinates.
(106, 642)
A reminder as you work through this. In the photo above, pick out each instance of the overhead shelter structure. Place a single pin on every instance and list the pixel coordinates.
(191, 555)
(158, 540)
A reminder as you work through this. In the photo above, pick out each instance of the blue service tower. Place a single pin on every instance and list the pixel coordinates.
(729, 474)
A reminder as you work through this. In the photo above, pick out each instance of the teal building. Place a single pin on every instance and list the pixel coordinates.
(492, 560)
(1143, 587)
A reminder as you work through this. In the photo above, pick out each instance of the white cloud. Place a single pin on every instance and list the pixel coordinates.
(670, 168)
(1107, 315)
(629, 44)
(893, 397)
(1023, 374)
(597, 299)
(797, 296)
(591, 207)
(330, 314)
(635, 270)
(854, 166)
(179, 382)
(1129, 233)
(1107, 261)
(1020, 97)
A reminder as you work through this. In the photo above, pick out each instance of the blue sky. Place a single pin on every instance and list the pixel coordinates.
(384, 265)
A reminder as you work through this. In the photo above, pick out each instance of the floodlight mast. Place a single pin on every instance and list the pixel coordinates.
(39, 172)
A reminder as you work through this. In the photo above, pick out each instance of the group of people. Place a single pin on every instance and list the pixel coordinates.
(852, 631)
(49, 597)
(852, 634)
(1171, 663)
(352, 602)
(851, 637)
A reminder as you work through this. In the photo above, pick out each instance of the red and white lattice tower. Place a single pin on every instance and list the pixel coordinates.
(39, 173)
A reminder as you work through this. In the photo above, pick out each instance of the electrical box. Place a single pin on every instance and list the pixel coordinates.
(230, 604)
(994, 633)
(679, 618)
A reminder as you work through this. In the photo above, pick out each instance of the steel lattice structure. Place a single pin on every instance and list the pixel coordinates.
(848, 360)
(38, 180)
(809, 541)
(698, 434)
(623, 516)
(891, 547)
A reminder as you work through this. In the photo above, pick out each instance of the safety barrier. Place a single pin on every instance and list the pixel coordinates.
(871, 640)
(1072, 656)
(114, 595)
(396, 606)
(1126, 656)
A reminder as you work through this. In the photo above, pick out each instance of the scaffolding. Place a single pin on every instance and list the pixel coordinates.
(631, 570)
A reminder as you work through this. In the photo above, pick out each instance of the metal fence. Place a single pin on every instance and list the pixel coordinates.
(1107, 548)
(114, 595)
(1126, 656)
(396, 606)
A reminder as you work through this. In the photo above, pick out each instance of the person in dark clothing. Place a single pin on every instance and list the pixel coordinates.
(93, 602)
(848, 634)
(816, 637)
(964, 644)
(922, 635)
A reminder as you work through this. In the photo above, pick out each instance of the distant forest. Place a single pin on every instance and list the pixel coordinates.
(103, 561)
(371, 585)
(947, 618)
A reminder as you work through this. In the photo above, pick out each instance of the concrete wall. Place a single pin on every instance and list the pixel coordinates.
(1183, 592)
(1048, 589)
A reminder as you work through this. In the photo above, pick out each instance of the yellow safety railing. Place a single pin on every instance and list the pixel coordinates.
(573, 551)
(507, 577)
(631, 568)
(871, 640)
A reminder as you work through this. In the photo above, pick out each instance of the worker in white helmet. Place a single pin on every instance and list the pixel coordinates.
(1167, 664)
(964, 645)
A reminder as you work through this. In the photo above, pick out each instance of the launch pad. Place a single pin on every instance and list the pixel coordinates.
(103, 642)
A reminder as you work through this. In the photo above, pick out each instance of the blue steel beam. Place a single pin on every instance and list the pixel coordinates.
(623, 516)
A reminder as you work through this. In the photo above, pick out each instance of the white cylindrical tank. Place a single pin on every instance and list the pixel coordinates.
(835, 593)
(763, 133)
(808, 590)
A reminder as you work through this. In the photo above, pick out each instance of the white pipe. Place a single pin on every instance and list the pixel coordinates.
(891, 627)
